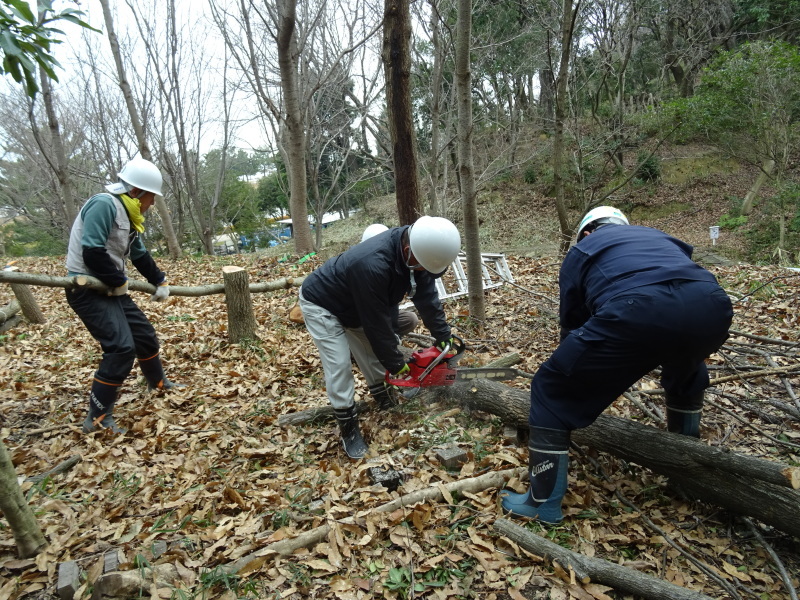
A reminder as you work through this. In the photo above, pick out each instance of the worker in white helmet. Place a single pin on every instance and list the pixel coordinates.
(105, 234)
(359, 290)
(632, 300)
(407, 321)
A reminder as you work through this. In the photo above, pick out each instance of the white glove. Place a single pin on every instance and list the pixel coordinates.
(162, 293)
(119, 291)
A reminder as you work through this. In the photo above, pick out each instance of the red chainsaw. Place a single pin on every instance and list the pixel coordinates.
(439, 366)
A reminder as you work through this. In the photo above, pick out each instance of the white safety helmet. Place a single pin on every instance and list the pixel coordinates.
(435, 243)
(602, 215)
(138, 173)
(372, 231)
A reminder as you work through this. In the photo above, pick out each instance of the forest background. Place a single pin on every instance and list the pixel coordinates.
(682, 114)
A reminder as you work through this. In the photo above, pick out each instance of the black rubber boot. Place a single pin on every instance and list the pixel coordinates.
(153, 372)
(548, 458)
(353, 443)
(384, 396)
(683, 415)
(102, 399)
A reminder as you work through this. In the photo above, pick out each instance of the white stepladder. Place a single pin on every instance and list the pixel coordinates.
(453, 284)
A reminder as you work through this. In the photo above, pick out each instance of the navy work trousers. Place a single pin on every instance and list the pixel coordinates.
(675, 324)
(121, 328)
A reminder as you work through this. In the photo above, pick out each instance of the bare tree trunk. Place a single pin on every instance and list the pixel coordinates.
(567, 28)
(288, 56)
(19, 515)
(396, 57)
(546, 98)
(144, 149)
(61, 165)
(436, 108)
(477, 303)
(750, 198)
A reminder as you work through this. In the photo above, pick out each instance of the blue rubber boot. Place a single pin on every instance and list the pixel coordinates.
(548, 458)
(683, 414)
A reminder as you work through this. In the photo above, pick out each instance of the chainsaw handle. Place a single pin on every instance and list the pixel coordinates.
(459, 346)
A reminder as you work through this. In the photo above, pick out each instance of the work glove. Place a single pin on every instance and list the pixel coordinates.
(402, 372)
(440, 344)
(162, 292)
(119, 291)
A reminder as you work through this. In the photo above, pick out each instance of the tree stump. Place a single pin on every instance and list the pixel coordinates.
(241, 320)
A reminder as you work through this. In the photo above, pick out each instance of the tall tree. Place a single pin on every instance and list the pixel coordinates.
(477, 304)
(288, 59)
(396, 57)
(569, 15)
(138, 127)
(26, 42)
(54, 151)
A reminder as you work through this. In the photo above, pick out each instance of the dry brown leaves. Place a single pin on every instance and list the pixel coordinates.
(207, 470)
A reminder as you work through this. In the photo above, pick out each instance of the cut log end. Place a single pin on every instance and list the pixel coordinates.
(792, 475)
(231, 269)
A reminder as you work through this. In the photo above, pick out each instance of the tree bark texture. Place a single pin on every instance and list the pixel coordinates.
(60, 164)
(469, 206)
(567, 29)
(597, 570)
(396, 55)
(750, 198)
(27, 302)
(745, 485)
(9, 310)
(19, 515)
(436, 207)
(288, 57)
(241, 321)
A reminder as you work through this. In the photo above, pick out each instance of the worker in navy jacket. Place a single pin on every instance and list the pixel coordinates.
(350, 303)
(631, 300)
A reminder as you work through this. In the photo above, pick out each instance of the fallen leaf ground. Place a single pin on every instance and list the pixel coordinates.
(208, 470)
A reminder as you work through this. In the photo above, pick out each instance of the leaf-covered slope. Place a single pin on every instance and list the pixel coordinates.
(208, 471)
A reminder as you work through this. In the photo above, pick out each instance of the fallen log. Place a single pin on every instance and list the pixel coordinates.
(596, 570)
(10, 323)
(61, 467)
(141, 286)
(763, 489)
(9, 317)
(325, 413)
(9, 310)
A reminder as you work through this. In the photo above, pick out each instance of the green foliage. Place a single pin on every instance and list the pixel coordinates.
(26, 40)
(27, 239)
(273, 191)
(531, 174)
(748, 100)
(729, 222)
(399, 581)
(649, 167)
